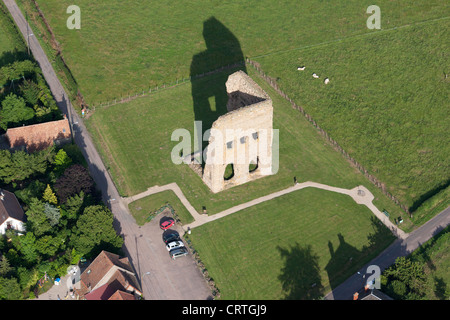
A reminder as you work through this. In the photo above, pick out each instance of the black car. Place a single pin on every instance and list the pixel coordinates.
(170, 236)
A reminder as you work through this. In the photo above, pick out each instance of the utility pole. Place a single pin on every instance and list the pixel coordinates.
(28, 34)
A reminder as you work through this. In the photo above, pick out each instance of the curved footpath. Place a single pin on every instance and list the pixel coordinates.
(360, 195)
(405, 244)
(141, 252)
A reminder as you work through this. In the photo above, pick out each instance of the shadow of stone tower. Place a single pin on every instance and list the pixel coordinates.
(209, 94)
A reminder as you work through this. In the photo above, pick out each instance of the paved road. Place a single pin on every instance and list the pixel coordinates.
(160, 277)
(142, 245)
(400, 248)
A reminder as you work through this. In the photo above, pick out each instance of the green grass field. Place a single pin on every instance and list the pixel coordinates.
(12, 45)
(437, 268)
(5, 43)
(383, 82)
(280, 248)
(142, 208)
(123, 48)
(139, 159)
(387, 94)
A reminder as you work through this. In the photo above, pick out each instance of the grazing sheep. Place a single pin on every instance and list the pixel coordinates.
(315, 76)
(327, 81)
(301, 68)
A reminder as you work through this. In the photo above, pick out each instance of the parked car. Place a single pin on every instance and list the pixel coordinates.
(170, 236)
(174, 245)
(166, 224)
(179, 252)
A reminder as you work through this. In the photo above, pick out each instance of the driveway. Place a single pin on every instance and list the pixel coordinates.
(163, 277)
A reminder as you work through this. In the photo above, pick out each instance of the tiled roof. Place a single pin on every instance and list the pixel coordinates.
(107, 270)
(10, 207)
(102, 293)
(120, 295)
(38, 136)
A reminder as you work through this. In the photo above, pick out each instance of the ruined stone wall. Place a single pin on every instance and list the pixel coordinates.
(240, 137)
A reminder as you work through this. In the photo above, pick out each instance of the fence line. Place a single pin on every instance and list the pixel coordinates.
(164, 86)
(363, 170)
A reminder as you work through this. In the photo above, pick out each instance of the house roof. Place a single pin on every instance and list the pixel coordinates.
(120, 295)
(38, 136)
(102, 293)
(375, 294)
(10, 207)
(108, 270)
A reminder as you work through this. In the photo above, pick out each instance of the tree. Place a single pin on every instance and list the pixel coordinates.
(76, 178)
(5, 267)
(49, 196)
(34, 190)
(52, 213)
(27, 246)
(48, 245)
(17, 70)
(74, 206)
(62, 160)
(31, 92)
(37, 218)
(6, 166)
(94, 232)
(408, 273)
(19, 165)
(10, 289)
(25, 277)
(14, 111)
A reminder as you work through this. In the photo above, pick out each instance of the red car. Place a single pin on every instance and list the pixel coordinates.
(166, 224)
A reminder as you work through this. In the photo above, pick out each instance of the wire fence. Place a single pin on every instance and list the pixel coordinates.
(151, 90)
(382, 186)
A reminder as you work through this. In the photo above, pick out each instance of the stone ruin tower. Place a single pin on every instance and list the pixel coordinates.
(242, 137)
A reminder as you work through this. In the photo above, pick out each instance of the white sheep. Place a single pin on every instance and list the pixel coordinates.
(315, 76)
(301, 68)
(327, 81)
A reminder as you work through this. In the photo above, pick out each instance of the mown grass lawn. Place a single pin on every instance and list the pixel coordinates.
(135, 142)
(386, 103)
(382, 120)
(125, 47)
(141, 209)
(279, 249)
(5, 43)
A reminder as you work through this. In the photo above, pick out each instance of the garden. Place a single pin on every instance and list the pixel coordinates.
(65, 218)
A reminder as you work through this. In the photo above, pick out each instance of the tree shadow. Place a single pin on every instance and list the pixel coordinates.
(440, 288)
(8, 57)
(209, 93)
(300, 276)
